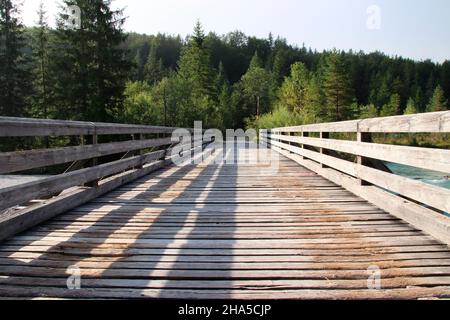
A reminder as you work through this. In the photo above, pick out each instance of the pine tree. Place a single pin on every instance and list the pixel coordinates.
(392, 107)
(315, 100)
(196, 79)
(411, 107)
(91, 63)
(194, 65)
(337, 87)
(153, 68)
(15, 89)
(41, 53)
(293, 90)
(437, 101)
(368, 112)
(257, 84)
(256, 62)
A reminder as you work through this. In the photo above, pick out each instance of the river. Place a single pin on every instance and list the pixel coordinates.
(431, 177)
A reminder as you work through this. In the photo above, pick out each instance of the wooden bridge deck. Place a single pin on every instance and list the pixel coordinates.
(226, 231)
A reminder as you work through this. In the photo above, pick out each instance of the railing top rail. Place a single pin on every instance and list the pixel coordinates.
(434, 122)
(26, 127)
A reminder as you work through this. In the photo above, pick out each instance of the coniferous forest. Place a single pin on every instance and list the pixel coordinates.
(101, 73)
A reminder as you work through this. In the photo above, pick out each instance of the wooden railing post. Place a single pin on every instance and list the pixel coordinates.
(304, 135)
(363, 161)
(93, 140)
(324, 135)
(140, 152)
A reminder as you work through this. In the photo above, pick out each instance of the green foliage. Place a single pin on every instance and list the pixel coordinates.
(15, 77)
(256, 84)
(280, 117)
(369, 111)
(154, 69)
(138, 104)
(91, 65)
(292, 93)
(337, 88)
(392, 107)
(438, 101)
(411, 107)
(43, 106)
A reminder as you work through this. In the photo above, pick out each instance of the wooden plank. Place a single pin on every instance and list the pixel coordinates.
(22, 220)
(418, 123)
(422, 218)
(26, 127)
(426, 158)
(33, 190)
(24, 160)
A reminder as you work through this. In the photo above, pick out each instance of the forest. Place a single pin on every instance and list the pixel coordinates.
(99, 72)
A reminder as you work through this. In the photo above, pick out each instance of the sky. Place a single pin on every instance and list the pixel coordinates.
(417, 29)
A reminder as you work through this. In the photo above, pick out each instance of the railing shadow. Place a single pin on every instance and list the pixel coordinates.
(205, 263)
(80, 247)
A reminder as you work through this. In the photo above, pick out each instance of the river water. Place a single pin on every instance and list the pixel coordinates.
(427, 176)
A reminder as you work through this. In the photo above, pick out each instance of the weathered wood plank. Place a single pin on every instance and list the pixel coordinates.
(426, 158)
(33, 190)
(25, 127)
(24, 160)
(417, 123)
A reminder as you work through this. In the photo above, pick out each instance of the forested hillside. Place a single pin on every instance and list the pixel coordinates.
(100, 73)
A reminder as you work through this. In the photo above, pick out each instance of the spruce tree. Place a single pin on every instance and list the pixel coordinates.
(337, 87)
(410, 107)
(392, 107)
(293, 90)
(257, 84)
(15, 89)
(437, 101)
(42, 106)
(153, 70)
(91, 63)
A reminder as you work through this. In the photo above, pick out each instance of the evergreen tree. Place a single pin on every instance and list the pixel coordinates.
(153, 68)
(411, 107)
(368, 112)
(41, 52)
(337, 87)
(194, 66)
(392, 107)
(91, 63)
(437, 101)
(256, 62)
(196, 79)
(315, 100)
(15, 80)
(293, 90)
(256, 84)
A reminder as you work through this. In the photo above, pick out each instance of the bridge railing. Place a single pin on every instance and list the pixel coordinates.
(362, 169)
(92, 168)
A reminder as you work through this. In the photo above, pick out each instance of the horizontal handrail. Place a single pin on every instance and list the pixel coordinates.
(25, 160)
(425, 158)
(414, 201)
(433, 122)
(136, 154)
(24, 127)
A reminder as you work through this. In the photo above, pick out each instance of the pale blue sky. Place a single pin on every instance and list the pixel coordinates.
(418, 29)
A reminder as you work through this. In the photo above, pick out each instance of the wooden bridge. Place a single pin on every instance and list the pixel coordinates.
(323, 219)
